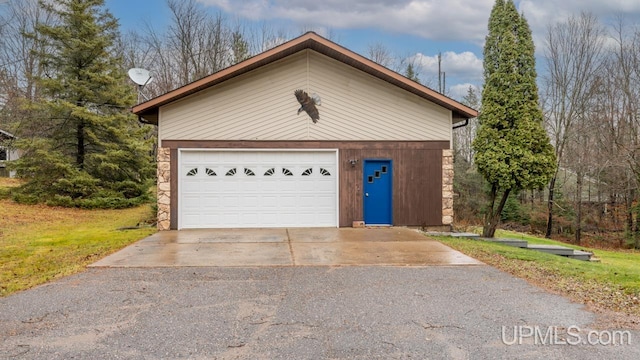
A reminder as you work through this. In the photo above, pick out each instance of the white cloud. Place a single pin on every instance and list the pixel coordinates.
(541, 13)
(461, 71)
(438, 20)
(444, 20)
(459, 91)
(459, 65)
(431, 19)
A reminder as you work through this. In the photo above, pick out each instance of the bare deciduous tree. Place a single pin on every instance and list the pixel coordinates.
(380, 54)
(625, 63)
(19, 65)
(463, 136)
(196, 43)
(573, 53)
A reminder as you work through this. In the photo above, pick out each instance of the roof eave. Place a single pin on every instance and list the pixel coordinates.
(149, 109)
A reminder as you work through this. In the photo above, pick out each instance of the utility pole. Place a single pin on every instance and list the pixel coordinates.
(440, 72)
(442, 76)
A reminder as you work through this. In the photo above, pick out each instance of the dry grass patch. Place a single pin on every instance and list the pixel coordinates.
(9, 182)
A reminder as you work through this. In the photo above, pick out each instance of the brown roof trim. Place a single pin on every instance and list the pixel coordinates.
(310, 40)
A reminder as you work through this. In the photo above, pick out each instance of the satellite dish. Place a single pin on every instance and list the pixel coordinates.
(140, 76)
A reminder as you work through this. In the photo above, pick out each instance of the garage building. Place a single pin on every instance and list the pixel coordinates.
(239, 148)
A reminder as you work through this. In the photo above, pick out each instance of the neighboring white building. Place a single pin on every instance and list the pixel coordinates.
(7, 153)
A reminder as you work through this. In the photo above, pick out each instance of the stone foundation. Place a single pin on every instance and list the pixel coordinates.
(164, 188)
(447, 187)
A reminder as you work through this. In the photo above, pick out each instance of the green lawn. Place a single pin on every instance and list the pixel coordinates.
(611, 284)
(619, 268)
(39, 243)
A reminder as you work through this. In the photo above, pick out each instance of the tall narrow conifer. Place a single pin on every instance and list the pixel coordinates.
(512, 149)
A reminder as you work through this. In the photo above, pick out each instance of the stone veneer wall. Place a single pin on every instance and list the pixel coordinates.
(164, 188)
(447, 187)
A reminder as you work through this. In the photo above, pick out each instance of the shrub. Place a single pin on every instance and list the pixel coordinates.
(514, 211)
(469, 189)
(52, 179)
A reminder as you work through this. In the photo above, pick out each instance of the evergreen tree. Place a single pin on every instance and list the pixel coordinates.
(471, 99)
(463, 136)
(512, 149)
(239, 47)
(410, 73)
(92, 153)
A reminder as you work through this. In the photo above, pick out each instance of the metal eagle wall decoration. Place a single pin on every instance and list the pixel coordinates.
(308, 104)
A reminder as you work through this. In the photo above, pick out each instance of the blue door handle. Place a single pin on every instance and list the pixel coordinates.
(366, 194)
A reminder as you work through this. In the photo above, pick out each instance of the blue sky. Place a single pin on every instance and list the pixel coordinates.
(408, 28)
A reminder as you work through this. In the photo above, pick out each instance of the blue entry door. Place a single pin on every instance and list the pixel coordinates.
(377, 192)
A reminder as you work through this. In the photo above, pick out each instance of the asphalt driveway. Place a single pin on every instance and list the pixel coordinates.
(354, 312)
(294, 310)
(394, 246)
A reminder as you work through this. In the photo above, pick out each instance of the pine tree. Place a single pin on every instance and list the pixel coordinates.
(512, 149)
(463, 136)
(471, 99)
(410, 73)
(239, 48)
(92, 153)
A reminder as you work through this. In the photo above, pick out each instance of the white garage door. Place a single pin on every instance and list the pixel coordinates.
(228, 189)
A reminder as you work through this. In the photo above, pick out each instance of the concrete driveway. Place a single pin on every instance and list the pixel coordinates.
(287, 247)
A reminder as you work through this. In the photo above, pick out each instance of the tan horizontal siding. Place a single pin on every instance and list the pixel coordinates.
(260, 105)
(357, 105)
